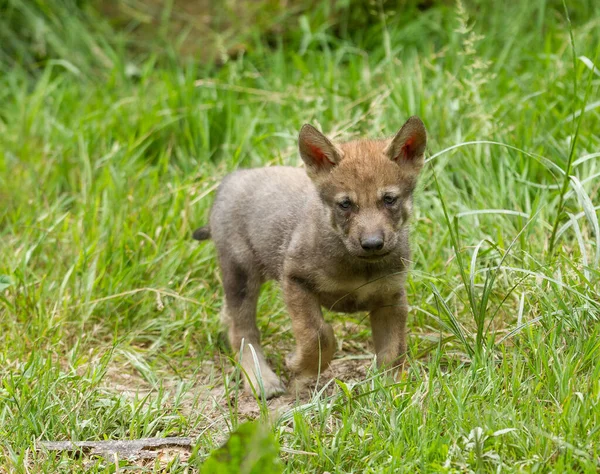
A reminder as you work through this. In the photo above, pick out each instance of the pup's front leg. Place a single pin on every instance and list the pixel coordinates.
(388, 325)
(315, 341)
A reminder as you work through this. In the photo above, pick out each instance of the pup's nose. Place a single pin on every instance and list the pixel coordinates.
(372, 243)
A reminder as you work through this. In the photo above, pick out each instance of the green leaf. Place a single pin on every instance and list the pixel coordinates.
(251, 449)
(4, 282)
(344, 388)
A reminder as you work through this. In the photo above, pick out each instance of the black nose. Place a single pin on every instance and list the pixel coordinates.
(372, 243)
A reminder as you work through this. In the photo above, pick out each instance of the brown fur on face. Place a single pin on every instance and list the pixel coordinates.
(377, 193)
(367, 185)
(333, 235)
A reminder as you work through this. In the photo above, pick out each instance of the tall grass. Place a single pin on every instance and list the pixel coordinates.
(109, 321)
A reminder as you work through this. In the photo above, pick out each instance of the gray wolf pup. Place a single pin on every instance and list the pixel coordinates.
(334, 235)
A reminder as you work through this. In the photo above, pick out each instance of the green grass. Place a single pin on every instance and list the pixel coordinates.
(109, 324)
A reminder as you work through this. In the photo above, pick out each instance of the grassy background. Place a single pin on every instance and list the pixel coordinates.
(115, 127)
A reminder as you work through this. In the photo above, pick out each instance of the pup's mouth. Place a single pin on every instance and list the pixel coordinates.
(374, 258)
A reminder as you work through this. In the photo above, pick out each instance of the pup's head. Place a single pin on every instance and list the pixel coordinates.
(367, 185)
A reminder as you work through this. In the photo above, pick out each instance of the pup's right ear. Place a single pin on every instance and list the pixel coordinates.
(317, 152)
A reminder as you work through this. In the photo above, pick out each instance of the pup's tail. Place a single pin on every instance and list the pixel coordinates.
(202, 233)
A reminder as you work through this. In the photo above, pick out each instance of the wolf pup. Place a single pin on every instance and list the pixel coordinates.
(334, 235)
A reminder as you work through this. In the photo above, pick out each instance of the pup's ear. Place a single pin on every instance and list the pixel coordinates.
(408, 146)
(317, 151)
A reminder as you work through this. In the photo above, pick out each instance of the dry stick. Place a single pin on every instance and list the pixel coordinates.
(145, 448)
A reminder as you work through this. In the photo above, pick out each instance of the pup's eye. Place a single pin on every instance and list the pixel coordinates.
(389, 200)
(345, 204)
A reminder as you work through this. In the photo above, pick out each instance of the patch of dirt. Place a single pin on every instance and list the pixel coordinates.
(208, 393)
(126, 382)
(347, 368)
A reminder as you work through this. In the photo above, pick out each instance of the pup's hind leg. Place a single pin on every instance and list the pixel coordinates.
(239, 313)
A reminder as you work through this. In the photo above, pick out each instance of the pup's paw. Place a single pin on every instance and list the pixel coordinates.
(306, 365)
(313, 355)
(272, 385)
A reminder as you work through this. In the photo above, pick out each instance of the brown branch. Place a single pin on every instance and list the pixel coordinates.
(145, 448)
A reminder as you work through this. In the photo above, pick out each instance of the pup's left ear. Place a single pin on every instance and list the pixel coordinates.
(408, 146)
